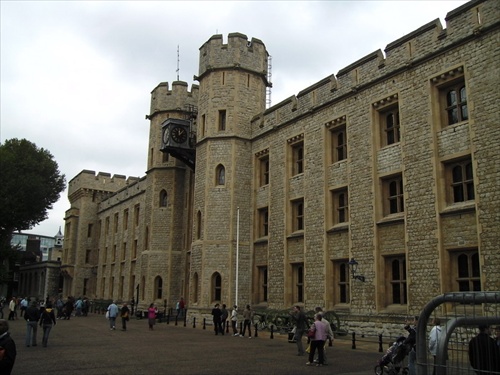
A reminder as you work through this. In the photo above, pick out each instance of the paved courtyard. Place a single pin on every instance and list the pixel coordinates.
(87, 346)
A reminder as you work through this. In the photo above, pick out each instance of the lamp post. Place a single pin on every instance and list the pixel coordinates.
(137, 296)
(237, 251)
(354, 268)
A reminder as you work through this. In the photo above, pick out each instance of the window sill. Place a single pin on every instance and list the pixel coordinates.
(392, 219)
(341, 227)
(297, 234)
(261, 240)
(399, 309)
(459, 208)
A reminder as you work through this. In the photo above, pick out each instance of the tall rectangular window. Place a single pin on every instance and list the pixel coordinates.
(396, 267)
(136, 214)
(125, 219)
(134, 250)
(262, 283)
(264, 170)
(298, 158)
(342, 290)
(339, 143)
(393, 195)
(89, 230)
(460, 179)
(467, 275)
(340, 201)
(298, 282)
(116, 223)
(390, 128)
(222, 120)
(298, 215)
(449, 96)
(263, 221)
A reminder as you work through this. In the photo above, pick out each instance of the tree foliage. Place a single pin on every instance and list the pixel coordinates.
(30, 183)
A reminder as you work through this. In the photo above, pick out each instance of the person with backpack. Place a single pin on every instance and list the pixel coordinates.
(47, 320)
(433, 340)
(31, 315)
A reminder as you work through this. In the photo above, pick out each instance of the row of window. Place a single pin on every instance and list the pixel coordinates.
(465, 277)
(459, 178)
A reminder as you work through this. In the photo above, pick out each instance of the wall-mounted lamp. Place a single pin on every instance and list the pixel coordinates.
(354, 267)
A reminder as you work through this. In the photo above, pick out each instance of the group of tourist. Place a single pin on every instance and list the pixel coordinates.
(221, 314)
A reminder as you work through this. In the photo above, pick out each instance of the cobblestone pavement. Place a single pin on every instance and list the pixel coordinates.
(87, 346)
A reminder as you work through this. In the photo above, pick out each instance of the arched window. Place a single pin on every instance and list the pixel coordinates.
(216, 287)
(163, 198)
(220, 175)
(198, 225)
(195, 287)
(158, 287)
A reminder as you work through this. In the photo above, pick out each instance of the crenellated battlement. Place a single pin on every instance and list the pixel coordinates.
(467, 22)
(175, 99)
(238, 53)
(102, 181)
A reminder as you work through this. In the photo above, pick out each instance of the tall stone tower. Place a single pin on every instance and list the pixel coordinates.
(233, 81)
(164, 260)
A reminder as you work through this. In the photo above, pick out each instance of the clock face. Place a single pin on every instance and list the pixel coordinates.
(179, 134)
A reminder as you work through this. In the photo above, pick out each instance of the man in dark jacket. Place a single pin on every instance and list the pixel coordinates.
(32, 316)
(216, 313)
(300, 321)
(484, 354)
(7, 349)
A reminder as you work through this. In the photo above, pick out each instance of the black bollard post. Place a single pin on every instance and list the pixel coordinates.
(204, 323)
(185, 320)
(227, 327)
(176, 320)
(380, 350)
(272, 331)
(353, 340)
(241, 328)
(194, 321)
(256, 333)
(168, 317)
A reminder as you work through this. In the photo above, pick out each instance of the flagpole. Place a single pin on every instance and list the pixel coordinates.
(237, 251)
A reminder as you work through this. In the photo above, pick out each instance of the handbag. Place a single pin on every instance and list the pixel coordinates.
(107, 314)
(311, 332)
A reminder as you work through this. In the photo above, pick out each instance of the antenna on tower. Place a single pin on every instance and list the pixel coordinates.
(178, 59)
(269, 77)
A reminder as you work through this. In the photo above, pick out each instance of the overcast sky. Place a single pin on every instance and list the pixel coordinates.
(76, 76)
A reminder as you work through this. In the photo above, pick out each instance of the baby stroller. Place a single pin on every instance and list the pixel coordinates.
(391, 362)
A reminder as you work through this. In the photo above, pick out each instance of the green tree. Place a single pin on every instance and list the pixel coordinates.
(30, 183)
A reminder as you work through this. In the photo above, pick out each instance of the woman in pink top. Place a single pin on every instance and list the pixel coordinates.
(318, 341)
(152, 311)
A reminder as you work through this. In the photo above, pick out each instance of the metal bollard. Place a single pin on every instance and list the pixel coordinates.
(204, 323)
(353, 340)
(168, 318)
(272, 331)
(256, 331)
(176, 320)
(380, 350)
(185, 320)
(194, 322)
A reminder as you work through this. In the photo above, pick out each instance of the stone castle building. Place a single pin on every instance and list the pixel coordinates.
(392, 162)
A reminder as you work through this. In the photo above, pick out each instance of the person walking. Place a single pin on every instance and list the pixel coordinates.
(152, 312)
(318, 340)
(484, 354)
(330, 335)
(247, 321)
(8, 351)
(300, 321)
(234, 320)
(433, 340)
(216, 314)
(112, 314)
(223, 318)
(124, 314)
(411, 341)
(32, 316)
(12, 308)
(23, 305)
(47, 320)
